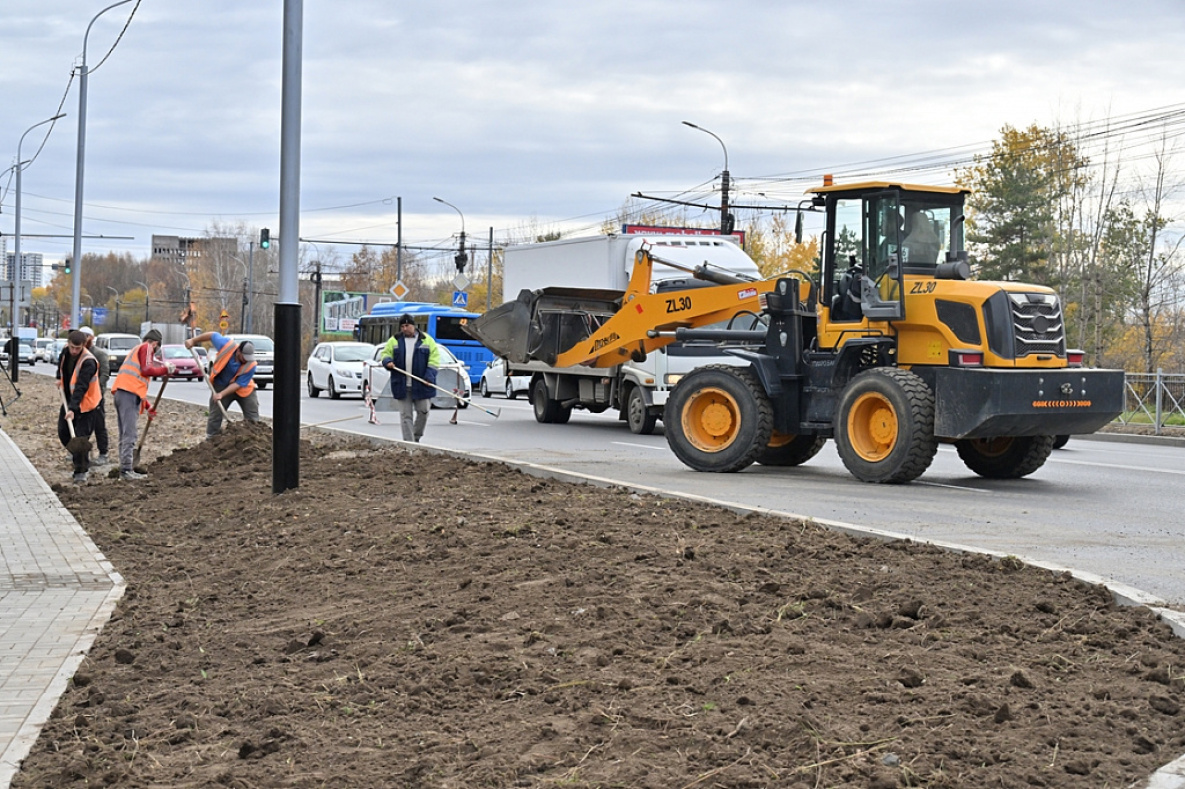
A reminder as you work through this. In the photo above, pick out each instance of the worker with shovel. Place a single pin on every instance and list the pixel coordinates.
(414, 351)
(131, 397)
(78, 383)
(232, 379)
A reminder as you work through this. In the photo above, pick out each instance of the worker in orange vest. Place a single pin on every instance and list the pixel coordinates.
(131, 396)
(232, 377)
(78, 375)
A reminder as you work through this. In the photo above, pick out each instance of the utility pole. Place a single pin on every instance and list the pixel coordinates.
(727, 221)
(399, 239)
(490, 271)
(243, 317)
(317, 302)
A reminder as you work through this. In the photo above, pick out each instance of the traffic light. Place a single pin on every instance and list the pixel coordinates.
(265, 238)
(66, 267)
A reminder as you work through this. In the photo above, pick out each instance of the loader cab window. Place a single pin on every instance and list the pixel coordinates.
(933, 228)
(849, 259)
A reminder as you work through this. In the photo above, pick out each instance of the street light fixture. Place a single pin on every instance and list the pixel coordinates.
(143, 285)
(16, 260)
(461, 258)
(77, 254)
(726, 219)
(118, 304)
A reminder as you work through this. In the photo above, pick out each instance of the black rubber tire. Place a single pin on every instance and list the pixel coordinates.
(313, 391)
(485, 388)
(884, 426)
(639, 418)
(333, 393)
(547, 411)
(263, 384)
(510, 393)
(1005, 457)
(718, 419)
(1060, 441)
(790, 450)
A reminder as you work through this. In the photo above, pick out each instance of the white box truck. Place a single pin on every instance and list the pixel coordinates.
(582, 281)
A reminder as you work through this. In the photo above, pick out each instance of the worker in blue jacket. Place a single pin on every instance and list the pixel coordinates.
(412, 350)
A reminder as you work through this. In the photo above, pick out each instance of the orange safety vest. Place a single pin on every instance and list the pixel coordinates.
(223, 357)
(94, 392)
(130, 377)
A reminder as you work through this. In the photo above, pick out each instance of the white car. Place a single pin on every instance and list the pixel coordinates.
(495, 379)
(452, 376)
(337, 368)
(44, 349)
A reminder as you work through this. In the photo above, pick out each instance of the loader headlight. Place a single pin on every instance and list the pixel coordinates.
(673, 378)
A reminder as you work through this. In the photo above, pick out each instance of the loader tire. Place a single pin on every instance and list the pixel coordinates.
(884, 426)
(718, 418)
(1005, 457)
(786, 449)
(639, 418)
(547, 411)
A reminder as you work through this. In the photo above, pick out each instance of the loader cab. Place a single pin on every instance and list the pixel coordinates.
(877, 234)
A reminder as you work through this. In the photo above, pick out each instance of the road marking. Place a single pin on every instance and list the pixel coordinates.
(639, 446)
(1120, 466)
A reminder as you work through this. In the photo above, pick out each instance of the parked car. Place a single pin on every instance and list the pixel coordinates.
(265, 356)
(117, 347)
(205, 357)
(183, 363)
(337, 368)
(59, 345)
(43, 350)
(495, 379)
(452, 375)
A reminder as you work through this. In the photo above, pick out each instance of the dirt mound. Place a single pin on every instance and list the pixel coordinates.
(404, 619)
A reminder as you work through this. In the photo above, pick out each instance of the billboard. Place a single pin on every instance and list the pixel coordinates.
(340, 309)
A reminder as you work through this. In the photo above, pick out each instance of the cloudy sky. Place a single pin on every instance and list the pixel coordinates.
(539, 115)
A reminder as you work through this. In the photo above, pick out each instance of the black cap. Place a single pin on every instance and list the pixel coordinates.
(405, 318)
(152, 335)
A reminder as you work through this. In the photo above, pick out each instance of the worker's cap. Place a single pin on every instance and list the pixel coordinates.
(87, 330)
(248, 351)
(405, 319)
(153, 335)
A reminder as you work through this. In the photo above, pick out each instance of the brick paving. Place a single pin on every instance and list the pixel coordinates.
(56, 592)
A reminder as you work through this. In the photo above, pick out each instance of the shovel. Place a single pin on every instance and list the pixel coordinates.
(77, 445)
(494, 413)
(148, 424)
(209, 383)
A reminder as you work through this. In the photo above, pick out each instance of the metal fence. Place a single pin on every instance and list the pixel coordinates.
(1156, 400)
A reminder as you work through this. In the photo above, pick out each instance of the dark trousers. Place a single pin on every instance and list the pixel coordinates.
(101, 427)
(84, 426)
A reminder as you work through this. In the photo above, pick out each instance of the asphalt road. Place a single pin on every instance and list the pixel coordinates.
(1107, 508)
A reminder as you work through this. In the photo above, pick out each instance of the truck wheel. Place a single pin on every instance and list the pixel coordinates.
(884, 426)
(1060, 441)
(787, 449)
(547, 411)
(1005, 457)
(313, 391)
(718, 418)
(637, 415)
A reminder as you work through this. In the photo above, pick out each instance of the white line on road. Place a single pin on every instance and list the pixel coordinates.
(639, 446)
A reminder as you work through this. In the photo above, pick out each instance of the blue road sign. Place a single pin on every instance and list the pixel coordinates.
(460, 299)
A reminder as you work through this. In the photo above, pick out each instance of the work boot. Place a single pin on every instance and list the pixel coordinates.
(79, 477)
(132, 475)
(101, 460)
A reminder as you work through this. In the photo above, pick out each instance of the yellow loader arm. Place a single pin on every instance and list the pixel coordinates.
(628, 333)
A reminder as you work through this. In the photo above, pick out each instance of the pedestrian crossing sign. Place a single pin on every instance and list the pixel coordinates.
(460, 299)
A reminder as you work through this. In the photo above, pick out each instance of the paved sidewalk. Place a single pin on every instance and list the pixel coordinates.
(56, 593)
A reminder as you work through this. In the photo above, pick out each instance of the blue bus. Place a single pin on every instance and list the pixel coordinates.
(441, 322)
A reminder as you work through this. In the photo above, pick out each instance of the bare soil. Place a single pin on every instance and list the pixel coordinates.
(408, 619)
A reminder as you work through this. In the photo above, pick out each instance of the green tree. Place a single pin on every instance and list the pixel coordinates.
(1017, 194)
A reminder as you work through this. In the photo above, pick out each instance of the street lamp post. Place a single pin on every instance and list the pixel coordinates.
(726, 219)
(16, 259)
(146, 313)
(117, 305)
(461, 258)
(78, 173)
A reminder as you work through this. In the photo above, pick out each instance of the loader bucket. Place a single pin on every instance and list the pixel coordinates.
(541, 324)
